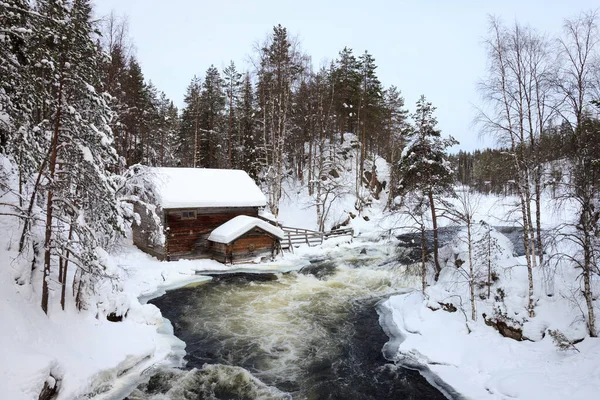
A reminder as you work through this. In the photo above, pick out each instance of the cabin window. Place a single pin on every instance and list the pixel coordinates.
(188, 215)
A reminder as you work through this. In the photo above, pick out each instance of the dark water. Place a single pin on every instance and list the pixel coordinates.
(310, 335)
(410, 243)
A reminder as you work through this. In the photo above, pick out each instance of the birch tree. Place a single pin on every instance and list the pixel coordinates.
(518, 92)
(576, 80)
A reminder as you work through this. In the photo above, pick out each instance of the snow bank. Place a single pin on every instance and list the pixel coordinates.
(473, 357)
(203, 187)
(236, 227)
(485, 365)
(83, 351)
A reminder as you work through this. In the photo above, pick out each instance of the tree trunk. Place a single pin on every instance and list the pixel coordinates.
(27, 222)
(65, 268)
(587, 290)
(392, 176)
(423, 259)
(49, 203)
(438, 269)
(538, 214)
(230, 129)
(489, 262)
(471, 272)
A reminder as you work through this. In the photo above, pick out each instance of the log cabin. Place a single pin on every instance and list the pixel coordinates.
(193, 203)
(244, 238)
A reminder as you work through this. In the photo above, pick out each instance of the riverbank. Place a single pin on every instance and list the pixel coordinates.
(435, 329)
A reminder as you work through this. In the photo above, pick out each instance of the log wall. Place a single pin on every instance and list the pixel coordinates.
(255, 243)
(188, 237)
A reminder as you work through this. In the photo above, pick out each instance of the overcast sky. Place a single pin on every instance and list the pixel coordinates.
(423, 47)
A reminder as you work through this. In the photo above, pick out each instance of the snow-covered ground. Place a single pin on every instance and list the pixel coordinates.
(90, 355)
(484, 365)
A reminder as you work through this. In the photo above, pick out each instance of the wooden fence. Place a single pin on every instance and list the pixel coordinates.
(294, 237)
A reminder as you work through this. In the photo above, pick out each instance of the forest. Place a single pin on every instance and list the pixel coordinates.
(78, 118)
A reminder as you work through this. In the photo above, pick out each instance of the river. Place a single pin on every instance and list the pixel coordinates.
(312, 334)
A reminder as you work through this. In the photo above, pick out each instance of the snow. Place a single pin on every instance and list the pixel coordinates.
(481, 364)
(92, 357)
(87, 353)
(236, 227)
(267, 215)
(472, 357)
(83, 352)
(87, 154)
(4, 118)
(203, 187)
(485, 365)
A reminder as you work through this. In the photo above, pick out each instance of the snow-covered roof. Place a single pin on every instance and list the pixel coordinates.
(203, 187)
(236, 227)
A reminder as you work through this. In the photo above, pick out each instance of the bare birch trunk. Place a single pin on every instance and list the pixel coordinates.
(489, 263)
(471, 272)
(587, 271)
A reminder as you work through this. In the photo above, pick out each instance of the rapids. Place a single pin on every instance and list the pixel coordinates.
(312, 334)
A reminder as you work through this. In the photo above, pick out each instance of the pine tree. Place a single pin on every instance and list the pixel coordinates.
(114, 78)
(279, 70)
(248, 152)
(424, 165)
(233, 84)
(15, 41)
(368, 116)
(23, 89)
(188, 140)
(347, 80)
(395, 135)
(81, 208)
(212, 101)
(137, 101)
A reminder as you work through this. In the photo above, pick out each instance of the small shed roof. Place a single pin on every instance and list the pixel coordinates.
(236, 227)
(204, 187)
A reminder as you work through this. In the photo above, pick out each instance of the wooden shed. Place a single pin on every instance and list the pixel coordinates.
(244, 238)
(193, 202)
